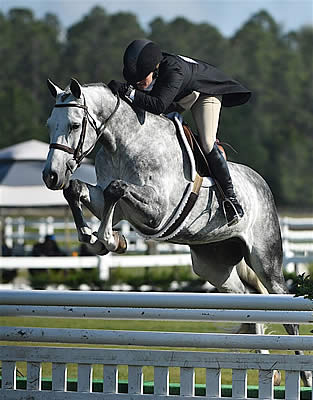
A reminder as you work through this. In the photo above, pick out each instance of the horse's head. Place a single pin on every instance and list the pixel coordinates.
(69, 134)
(74, 128)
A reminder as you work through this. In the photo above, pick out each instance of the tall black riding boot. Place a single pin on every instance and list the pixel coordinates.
(219, 169)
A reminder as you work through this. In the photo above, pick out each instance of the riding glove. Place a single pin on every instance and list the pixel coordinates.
(123, 89)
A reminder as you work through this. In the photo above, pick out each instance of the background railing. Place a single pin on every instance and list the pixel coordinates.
(297, 235)
(21, 233)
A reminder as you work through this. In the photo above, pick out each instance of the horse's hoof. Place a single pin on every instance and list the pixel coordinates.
(100, 249)
(277, 377)
(122, 243)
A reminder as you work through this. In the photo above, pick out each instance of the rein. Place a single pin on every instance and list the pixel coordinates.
(78, 153)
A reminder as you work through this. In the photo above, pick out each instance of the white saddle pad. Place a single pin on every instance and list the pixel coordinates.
(178, 119)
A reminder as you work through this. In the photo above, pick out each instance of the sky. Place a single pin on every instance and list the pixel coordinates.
(226, 15)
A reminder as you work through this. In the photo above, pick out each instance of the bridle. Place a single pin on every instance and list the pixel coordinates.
(78, 153)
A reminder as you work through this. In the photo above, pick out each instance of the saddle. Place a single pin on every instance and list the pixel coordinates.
(190, 141)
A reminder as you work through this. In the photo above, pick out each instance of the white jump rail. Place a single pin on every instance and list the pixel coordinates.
(121, 313)
(159, 306)
(155, 300)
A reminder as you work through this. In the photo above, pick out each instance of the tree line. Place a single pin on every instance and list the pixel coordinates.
(272, 133)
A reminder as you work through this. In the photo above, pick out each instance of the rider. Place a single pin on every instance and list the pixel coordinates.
(160, 82)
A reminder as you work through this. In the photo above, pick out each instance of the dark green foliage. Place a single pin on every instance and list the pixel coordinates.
(272, 133)
(71, 278)
(304, 286)
(158, 278)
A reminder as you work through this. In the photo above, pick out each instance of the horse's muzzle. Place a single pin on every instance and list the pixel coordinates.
(53, 181)
(50, 178)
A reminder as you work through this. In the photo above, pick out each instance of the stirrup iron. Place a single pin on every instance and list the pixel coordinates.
(236, 217)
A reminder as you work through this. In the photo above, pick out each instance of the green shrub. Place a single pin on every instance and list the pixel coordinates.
(304, 286)
(72, 278)
(160, 277)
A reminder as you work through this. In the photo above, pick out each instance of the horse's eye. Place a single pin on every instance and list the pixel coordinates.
(75, 126)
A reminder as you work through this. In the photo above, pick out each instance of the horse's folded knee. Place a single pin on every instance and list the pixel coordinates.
(115, 190)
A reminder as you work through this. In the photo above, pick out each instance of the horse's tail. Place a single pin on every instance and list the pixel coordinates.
(250, 277)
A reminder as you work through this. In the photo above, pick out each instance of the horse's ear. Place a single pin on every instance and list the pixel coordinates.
(54, 89)
(75, 88)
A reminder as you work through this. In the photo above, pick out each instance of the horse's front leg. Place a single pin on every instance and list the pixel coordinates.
(111, 239)
(147, 208)
(80, 193)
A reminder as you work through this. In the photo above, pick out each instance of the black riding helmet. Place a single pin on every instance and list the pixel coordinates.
(140, 59)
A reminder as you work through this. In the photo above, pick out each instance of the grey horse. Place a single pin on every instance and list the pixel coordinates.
(143, 175)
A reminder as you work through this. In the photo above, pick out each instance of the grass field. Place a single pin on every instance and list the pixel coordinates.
(170, 326)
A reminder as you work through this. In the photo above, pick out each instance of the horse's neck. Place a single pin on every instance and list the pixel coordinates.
(99, 101)
(124, 133)
(102, 102)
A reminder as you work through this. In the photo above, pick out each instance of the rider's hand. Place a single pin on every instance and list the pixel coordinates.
(118, 87)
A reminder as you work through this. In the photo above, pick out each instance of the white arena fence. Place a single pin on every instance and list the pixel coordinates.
(19, 231)
(151, 306)
(297, 236)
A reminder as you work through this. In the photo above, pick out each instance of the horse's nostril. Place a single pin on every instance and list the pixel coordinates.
(50, 178)
(53, 178)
